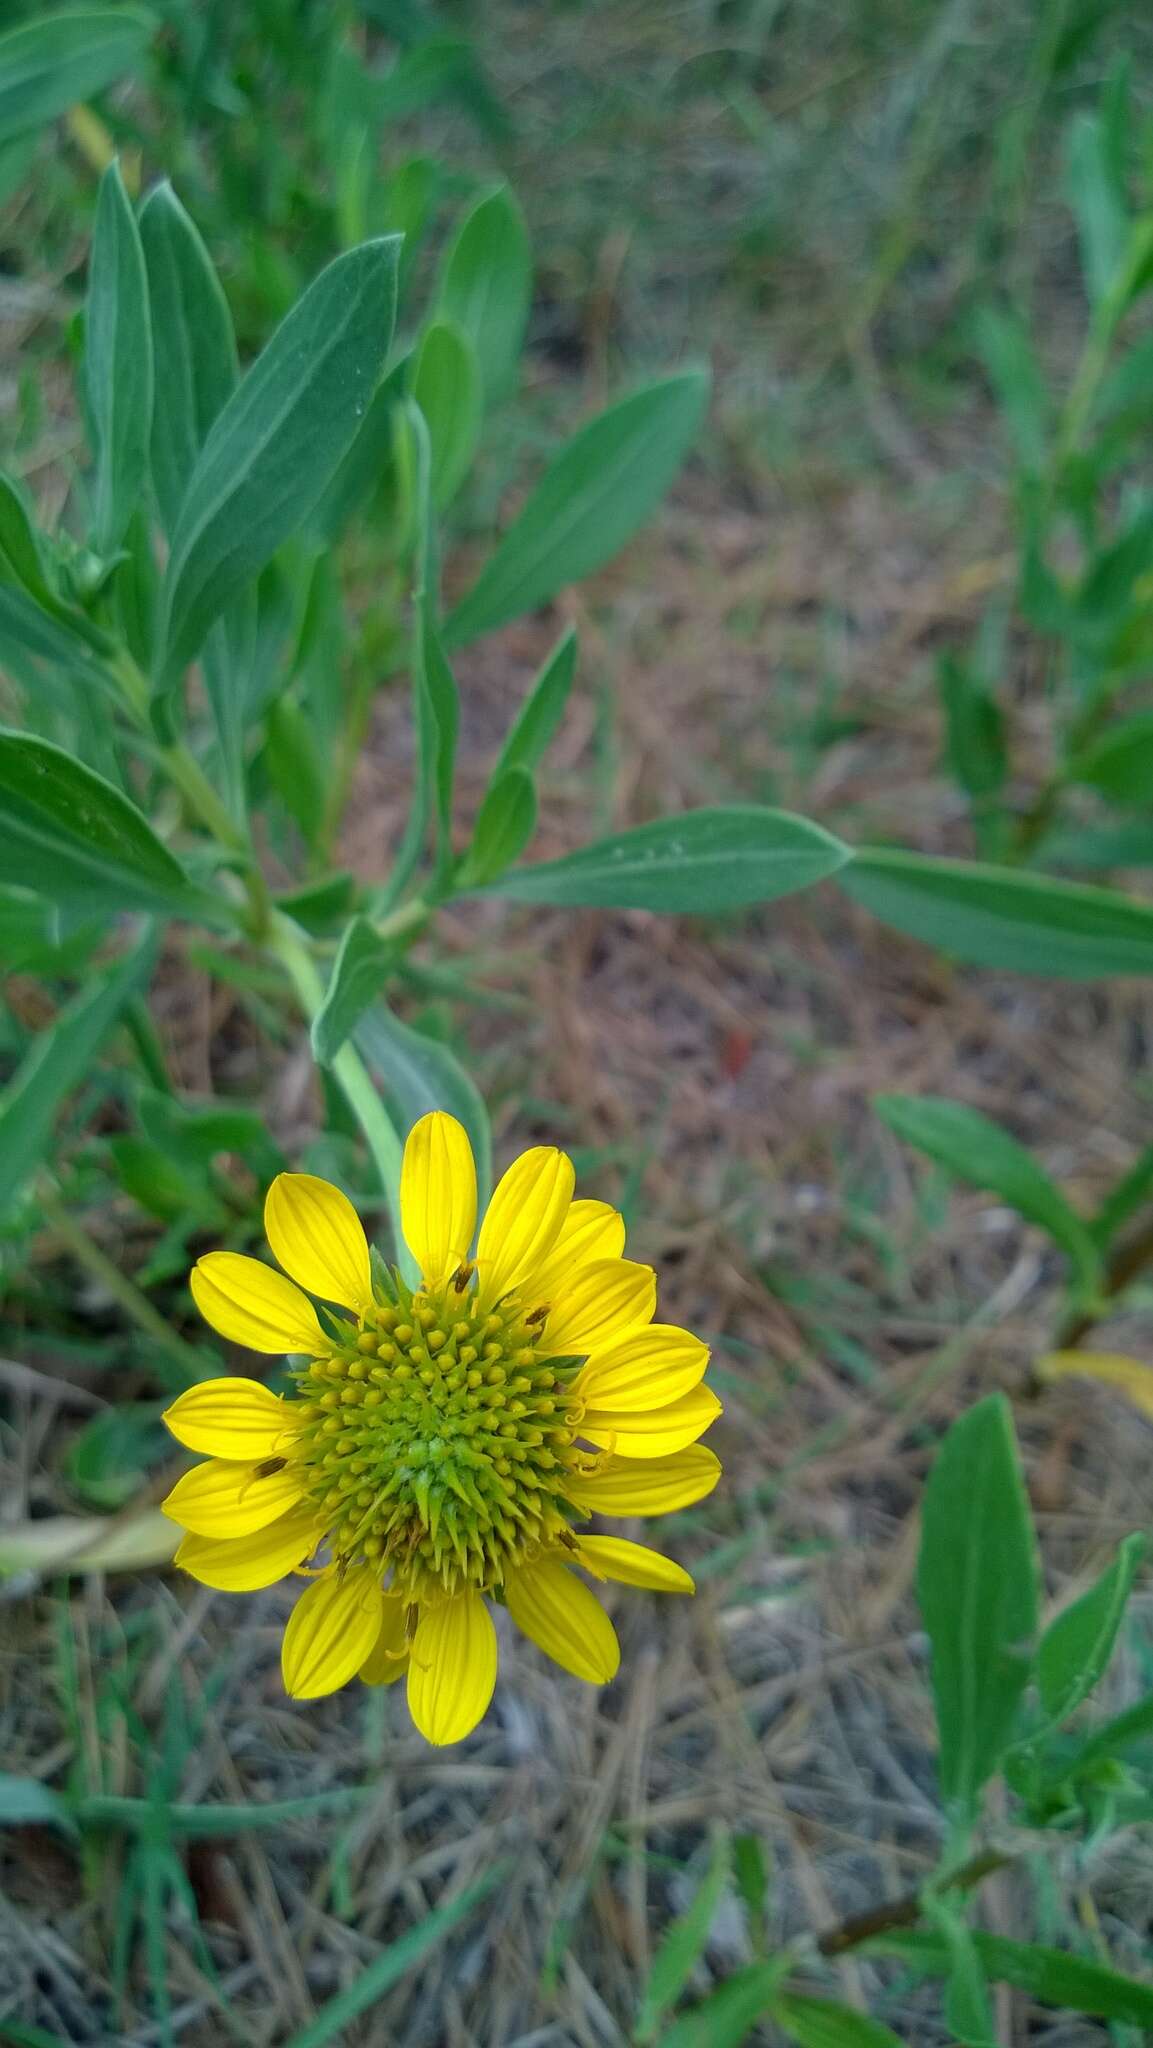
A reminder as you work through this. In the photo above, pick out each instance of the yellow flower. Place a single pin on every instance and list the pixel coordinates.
(441, 1444)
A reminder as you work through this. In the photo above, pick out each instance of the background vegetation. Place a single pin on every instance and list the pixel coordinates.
(885, 1141)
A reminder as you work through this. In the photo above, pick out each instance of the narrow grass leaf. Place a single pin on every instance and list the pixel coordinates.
(1000, 917)
(50, 64)
(20, 559)
(683, 1945)
(977, 1587)
(704, 861)
(278, 441)
(446, 386)
(192, 340)
(505, 824)
(726, 2018)
(59, 1061)
(821, 2023)
(359, 972)
(968, 2013)
(79, 840)
(1075, 1649)
(592, 498)
(977, 1150)
(26, 1802)
(1123, 1200)
(535, 724)
(1098, 203)
(394, 1963)
(1068, 1982)
(486, 286)
(118, 371)
(1121, 763)
(1010, 363)
(421, 1074)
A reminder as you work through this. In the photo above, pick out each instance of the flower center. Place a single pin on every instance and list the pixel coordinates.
(438, 1440)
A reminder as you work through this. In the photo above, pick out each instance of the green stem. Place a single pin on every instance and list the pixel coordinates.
(146, 1038)
(179, 763)
(185, 771)
(348, 1069)
(124, 1291)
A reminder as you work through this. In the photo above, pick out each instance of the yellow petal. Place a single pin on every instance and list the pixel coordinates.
(226, 1499)
(438, 1195)
(648, 1486)
(598, 1304)
(645, 1370)
(232, 1418)
(1130, 1376)
(655, 1433)
(591, 1230)
(331, 1631)
(634, 1564)
(249, 1562)
(452, 1668)
(524, 1219)
(317, 1236)
(254, 1306)
(388, 1659)
(564, 1620)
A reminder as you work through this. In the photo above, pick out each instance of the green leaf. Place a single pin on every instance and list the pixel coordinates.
(727, 2016)
(1121, 763)
(539, 716)
(979, 1151)
(592, 498)
(117, 362)
(819, 2023)
(704, 861)
(110, 1457)
(440, 726)
(396, 1961)
(193, 1135)
(974, 730)
(1075, 1648)
(486, 287)
(295, 767)
(976, 1583)
(279, 441)
(321, 906)
(48, 65)
(20, 559)
(1123, 1200)
(1098, 202)
(59, 1061)
(505, 823)
(1000, 917)
(683, 1945)
(25, 627)
(435, 705)
(368, 463)
(968, 2013)
(1068, 1982)
(78, 840)
(26, 1803)
(421, 1074)
(192, 341)
(1012, 368)
(446, 386)
(358, 975)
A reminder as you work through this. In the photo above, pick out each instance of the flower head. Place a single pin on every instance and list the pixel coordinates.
(444, 1441)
